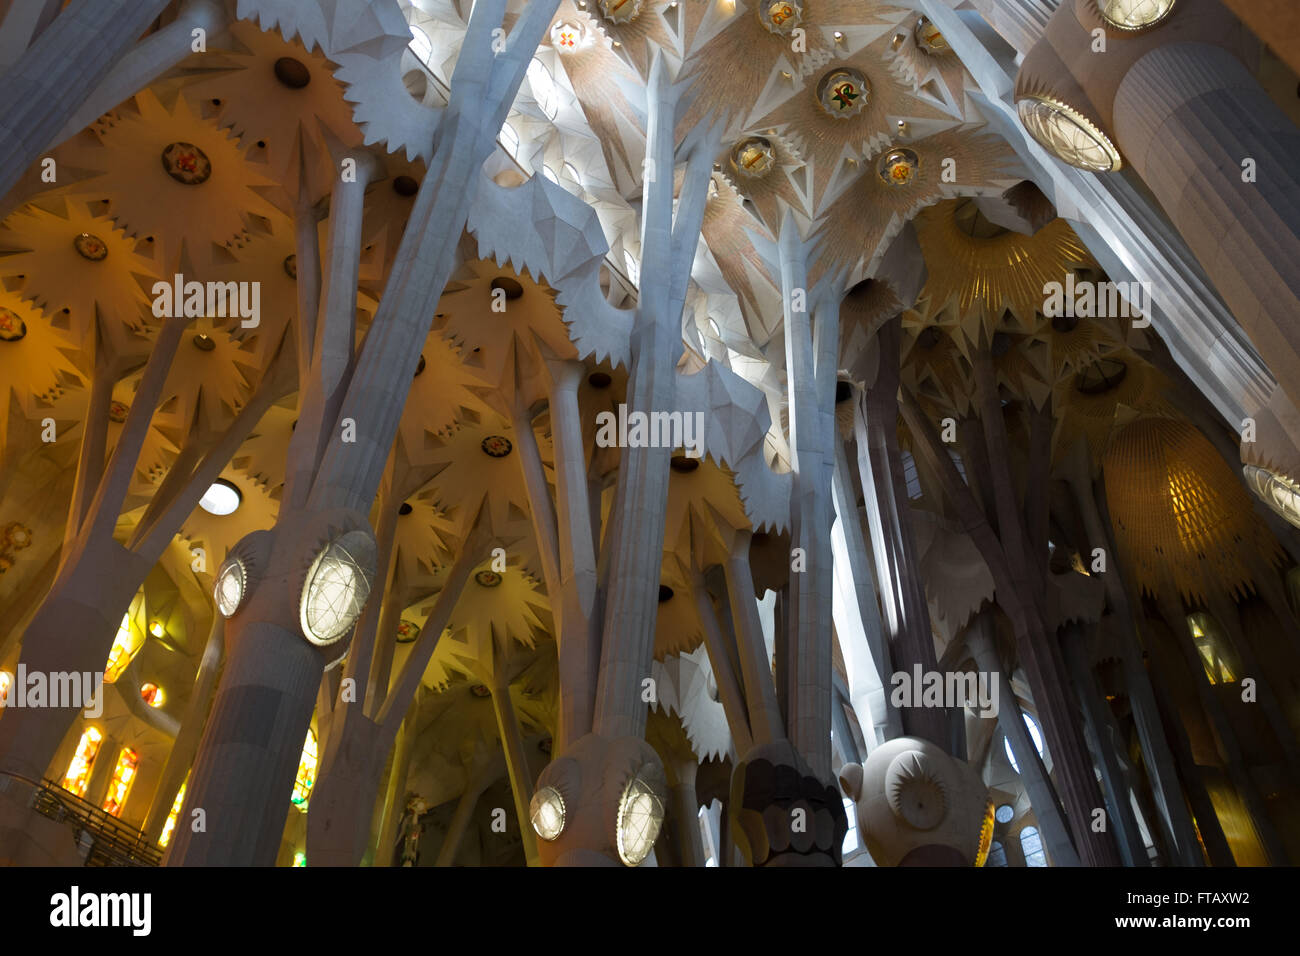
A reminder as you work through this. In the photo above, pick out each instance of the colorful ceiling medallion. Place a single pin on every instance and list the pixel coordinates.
(929, 39)
(621, 11)
(899, 167)
(843, 93)
(1135, 14)
(291, 266)
(407, 631)
(186, 163)
(12, 328)
(117, 412)
(753, 157)
(1068, 135)
(488, 579)
(568, 37)
(15, 536)
(90, 247)
(780, 17)
(479, 690)
(496, 446)
(152, 694)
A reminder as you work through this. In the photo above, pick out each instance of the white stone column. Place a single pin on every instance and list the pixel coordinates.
(57, 73)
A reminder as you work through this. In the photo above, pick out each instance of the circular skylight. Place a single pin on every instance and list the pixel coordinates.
(222, 498)
(1034, 735)
(1004, 813)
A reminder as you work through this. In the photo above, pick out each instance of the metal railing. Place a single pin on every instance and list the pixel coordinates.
(105, 839)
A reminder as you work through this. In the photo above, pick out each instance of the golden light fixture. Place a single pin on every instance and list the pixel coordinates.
(1135, 14)
(1068, 135)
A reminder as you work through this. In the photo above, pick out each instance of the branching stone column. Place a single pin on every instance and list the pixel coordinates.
(809, 367)
(1097, 725)
(902, 590)
(57, 73)
(1011, 721)
(512, 744)
(318, 562)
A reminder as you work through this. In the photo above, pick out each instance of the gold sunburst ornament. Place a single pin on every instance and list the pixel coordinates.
(568, 37)
(1068, 135)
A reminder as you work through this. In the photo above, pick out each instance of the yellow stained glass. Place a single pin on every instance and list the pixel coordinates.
(175, 811)
(302, 784)
(120, 786)
(78, 776)
(125, 647)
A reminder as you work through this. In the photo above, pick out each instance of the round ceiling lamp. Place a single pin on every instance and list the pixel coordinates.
(221, 498)
(186, 163)
(337, 587)
(1278, 491)
(843, 93)
(1068, 135)
(899, 167)
(546, 811)
(1135, 14)
(232, 581)
(640, 814)
(780, 17)
(753, 157)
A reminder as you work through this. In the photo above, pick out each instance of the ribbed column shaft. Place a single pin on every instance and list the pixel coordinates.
(1187, 115)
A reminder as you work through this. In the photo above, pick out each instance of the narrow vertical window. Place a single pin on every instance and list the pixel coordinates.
(119, 788)
(77, 778)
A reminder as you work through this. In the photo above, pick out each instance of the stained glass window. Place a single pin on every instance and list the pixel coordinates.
(125, 647)
(172, 814)
(77, 778)
(119, 788)
(302, 784)
(6, 682)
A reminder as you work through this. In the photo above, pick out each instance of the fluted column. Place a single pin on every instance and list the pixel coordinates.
(1187, 116)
